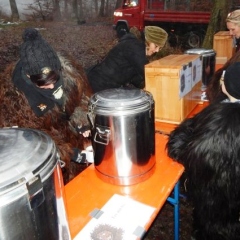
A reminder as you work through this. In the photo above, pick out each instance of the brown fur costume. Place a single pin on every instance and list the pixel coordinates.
(15, 111)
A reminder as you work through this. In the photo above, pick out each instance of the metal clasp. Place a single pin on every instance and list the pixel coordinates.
(102, 135)
(35, 191)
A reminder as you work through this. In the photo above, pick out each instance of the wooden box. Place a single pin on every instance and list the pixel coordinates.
(163, 78)
(223, 44)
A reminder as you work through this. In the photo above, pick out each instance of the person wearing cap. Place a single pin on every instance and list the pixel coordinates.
(224, 86)
(214, 90)
(208, 147)
(48, 92)
(124, 64)
(230, 83)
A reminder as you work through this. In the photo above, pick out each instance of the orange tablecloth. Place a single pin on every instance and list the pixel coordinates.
(87, 192)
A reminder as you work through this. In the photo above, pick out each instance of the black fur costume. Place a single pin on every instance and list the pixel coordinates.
(208, 145)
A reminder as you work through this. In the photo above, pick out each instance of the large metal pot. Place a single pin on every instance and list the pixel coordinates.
(31, 187)
(208, 63)
(123, 135)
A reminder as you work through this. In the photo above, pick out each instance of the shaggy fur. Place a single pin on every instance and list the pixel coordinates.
(208, 145)
(15, 111)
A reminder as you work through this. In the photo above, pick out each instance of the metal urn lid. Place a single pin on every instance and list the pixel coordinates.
(120, 99)
(201, 51)
(24, 153)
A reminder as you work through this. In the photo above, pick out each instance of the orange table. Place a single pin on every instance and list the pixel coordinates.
(87, 192)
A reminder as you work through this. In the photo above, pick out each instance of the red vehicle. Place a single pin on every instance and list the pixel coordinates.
(184, 20)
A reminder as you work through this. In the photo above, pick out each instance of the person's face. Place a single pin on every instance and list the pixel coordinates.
(223, 87)
(49, 86)
(234, 29)
(152, 48)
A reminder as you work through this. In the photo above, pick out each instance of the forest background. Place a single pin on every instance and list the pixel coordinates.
(83, 10)
(83, 29)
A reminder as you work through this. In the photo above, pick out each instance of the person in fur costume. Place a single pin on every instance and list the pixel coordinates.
(208, 147)
(49, 92)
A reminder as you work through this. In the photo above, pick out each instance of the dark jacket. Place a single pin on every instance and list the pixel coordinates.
(124, 65)
(237, 46)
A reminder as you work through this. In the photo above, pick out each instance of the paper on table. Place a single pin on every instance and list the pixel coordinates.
(121, 218)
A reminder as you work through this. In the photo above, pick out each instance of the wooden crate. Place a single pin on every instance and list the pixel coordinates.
(223, 44)
(163, 80)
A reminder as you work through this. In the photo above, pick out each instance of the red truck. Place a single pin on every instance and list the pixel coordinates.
(185, 20)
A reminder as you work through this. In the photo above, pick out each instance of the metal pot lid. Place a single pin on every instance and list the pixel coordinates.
(201, 51)
(23, 154)
(121, 97)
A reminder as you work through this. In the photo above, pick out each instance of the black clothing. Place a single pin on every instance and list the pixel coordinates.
(123, 66)
(237, 44)
(208, 146)
(40, 100)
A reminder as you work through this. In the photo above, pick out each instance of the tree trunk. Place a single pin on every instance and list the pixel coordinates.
(93, 9)
(101, 11)
(75, 9)
(14, 9)
(107, 8)
(96, 7)
(217, 21)
(56, 10)
(118, 4)
(80, 15)
(66, 10)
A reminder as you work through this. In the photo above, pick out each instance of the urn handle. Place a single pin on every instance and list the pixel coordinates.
(102, 135)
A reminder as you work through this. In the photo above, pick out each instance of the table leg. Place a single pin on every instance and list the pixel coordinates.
(175, 201)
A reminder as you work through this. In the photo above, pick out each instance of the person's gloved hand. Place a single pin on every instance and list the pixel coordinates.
(78, 157)
(85, 130)
(78, 122)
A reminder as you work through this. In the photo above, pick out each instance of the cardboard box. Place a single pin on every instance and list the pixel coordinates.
(223, 44)
(175, 83)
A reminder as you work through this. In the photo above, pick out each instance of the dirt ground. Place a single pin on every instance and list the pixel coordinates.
(89, 43)
(163, 226)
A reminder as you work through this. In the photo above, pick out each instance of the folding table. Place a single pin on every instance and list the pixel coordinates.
(87, 191)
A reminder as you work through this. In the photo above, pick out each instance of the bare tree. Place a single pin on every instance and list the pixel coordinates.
(14, 9)
(96, 6)
(118, 4)
(80, 16)
(107, 8)
(217, 21)
(75, 9)
(56, 10)
(101, 10)
(66, 11)
(40, 9)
